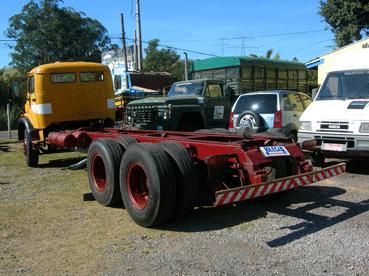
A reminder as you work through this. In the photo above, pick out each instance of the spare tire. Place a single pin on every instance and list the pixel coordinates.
(250, 116)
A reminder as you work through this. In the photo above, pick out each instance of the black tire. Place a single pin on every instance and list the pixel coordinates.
(292, 166)
(103, 162)
(189, 124)
(147, 184)
(256, 121)
(185, 176)
(293, 136)
(125, 141)
(280, 168)
(317, 159)
(30, 153)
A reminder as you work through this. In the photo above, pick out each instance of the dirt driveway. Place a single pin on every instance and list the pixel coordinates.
(46, 228)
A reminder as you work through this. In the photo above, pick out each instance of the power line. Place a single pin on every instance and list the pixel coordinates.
(250, 37)
(171, 47)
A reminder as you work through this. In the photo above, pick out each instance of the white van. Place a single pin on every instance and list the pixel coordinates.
(338, 118)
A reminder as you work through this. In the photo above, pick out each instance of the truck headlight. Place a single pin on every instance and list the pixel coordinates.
(305, 126)
(364, 128)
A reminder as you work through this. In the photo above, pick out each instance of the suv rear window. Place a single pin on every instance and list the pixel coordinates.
(258, 103)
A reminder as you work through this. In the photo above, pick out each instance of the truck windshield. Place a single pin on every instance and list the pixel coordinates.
(345, 85)
(186, 89)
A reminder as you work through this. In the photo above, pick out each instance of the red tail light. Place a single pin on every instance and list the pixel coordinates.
(277, 119)
(230, 124)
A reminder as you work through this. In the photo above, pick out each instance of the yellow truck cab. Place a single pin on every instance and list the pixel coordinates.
(61, 96)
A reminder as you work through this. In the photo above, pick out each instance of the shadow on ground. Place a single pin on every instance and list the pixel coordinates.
(4, 148)
(61, 163)
(308, 199)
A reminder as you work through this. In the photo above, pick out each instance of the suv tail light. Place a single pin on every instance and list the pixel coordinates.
(230, 123)
(277, 119)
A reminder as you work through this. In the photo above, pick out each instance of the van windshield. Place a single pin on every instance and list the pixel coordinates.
(345, 85)
(186, 89)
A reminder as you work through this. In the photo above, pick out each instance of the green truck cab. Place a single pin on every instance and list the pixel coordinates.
(188, 106)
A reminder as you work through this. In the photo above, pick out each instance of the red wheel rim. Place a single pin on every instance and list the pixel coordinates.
(137, 186)
(98, 173)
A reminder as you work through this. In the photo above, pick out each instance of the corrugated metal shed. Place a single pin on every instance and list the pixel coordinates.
(233, 61)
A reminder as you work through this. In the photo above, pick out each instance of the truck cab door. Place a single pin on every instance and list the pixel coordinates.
(216, 106)
(31, 104)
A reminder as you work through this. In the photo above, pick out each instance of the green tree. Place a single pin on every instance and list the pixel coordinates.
(163, 60)
(268, 55)
(349, 19)
(45, 32)
(7, 75)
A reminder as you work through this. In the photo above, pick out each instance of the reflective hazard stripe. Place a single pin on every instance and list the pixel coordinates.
(253, 191)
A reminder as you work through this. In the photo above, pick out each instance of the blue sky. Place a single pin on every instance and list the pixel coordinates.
(218, 27)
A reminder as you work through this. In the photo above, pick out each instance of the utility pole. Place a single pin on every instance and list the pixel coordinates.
(139, 37)
(8, 117)
(124, 42)
(186, 66)
(135, 49)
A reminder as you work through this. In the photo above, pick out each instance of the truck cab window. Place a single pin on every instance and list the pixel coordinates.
(31, 85)
(213, 91)
(63, 77)
(91, 76)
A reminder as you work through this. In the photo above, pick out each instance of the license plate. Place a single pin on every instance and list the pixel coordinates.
(274, 151)
(334, 147)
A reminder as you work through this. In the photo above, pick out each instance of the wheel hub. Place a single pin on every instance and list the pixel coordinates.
(137, 186)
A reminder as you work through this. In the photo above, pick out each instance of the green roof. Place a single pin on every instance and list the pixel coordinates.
(224, 62)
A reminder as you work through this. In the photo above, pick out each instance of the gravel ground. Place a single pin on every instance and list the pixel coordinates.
(321, 229)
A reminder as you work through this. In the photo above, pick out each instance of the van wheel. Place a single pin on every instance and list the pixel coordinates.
(147, 184)
(103, 161)
(28, 150)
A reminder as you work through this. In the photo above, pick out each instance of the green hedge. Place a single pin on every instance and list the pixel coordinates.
(15, 112)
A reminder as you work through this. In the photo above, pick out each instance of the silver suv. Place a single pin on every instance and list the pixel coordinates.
(276, 110)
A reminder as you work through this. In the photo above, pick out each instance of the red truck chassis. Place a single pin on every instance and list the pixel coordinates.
(161, 175)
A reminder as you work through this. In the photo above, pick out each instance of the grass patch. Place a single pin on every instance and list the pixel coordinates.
(46, 227)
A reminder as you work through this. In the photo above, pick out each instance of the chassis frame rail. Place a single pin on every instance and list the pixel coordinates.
(230, 196)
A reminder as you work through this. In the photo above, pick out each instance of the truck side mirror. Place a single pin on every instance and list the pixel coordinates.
(314, 91)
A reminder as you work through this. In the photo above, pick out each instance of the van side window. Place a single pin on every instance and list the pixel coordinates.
(306, 100)
(31, 85)
(292, 102)
(91, 76)
(63, 77)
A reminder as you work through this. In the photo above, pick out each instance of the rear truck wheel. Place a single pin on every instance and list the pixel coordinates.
(147, 184)
(318, 159)
(29, 151)
(293, 136)
(125, 141)
(185, 178)
(103, 161)
(280, 168)
(188, 123)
